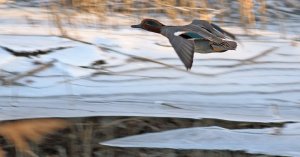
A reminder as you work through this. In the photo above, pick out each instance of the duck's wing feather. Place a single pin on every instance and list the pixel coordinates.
(183, 47)
(230, 35)
(210, 30)
(202, 28)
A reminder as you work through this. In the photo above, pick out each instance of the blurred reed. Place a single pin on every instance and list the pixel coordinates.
(174, 9)
(246, 13)
(22, 133)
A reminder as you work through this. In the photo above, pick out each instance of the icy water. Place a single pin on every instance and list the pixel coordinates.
(83, 136)
(112, 84)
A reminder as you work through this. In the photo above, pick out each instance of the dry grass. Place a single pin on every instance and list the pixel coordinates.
(263, 11)
(246, 11)
(68, 12)
(174, 9)
(82, 138)
(20, 133)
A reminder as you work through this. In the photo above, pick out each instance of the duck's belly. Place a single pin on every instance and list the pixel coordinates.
(203, 46)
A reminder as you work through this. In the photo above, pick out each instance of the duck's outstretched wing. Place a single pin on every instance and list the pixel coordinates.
(223, 31)
(215, 34)
(209, 30)
(183, 47)
(204, 29)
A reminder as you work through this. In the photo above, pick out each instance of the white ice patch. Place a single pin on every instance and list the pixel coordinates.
(262, 141)
(6, 57)
(83, 55)
(74, 71)
(34, 43)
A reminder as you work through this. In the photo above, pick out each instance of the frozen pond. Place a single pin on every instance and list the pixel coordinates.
(124, 72)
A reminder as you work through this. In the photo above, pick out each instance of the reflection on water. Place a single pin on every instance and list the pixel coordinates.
(83, 136)
(23, 132)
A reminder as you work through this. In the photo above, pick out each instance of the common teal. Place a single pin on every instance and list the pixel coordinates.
(200, 36)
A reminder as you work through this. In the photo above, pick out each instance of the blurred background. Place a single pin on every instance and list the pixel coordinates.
(77, 80)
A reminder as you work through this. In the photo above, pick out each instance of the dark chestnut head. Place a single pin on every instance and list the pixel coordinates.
(149, 25)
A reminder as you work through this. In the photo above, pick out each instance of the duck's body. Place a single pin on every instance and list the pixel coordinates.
(199, 36)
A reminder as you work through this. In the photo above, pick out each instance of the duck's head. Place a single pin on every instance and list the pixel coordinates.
(149, 25)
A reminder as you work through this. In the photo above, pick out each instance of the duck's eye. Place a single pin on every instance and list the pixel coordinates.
(152, 23)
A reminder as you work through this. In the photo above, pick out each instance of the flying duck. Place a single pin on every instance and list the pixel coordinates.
(200, 36)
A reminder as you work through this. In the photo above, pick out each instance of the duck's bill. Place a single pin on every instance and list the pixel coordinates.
(136, 26)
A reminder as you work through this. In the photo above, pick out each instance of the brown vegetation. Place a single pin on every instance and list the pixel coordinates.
(20, 133)
(66, 12)
(202, 9)
(82, 137)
